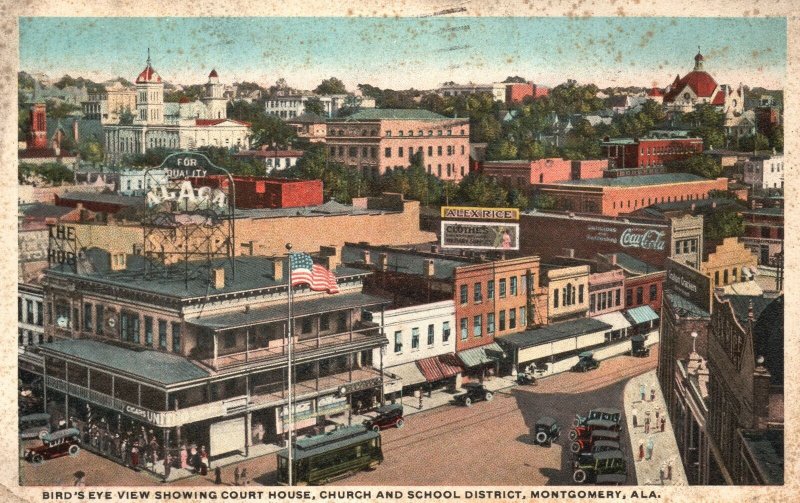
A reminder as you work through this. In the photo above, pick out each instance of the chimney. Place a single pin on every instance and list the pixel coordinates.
(277, 269)
(434, 249)
(218, 278)
(613, 259)
(693, 207)
(365, 257)
(331, 257)
(429, 268)
(75, 131)
(383, 261)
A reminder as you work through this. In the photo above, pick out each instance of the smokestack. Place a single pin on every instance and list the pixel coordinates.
(218, 278)
(277, 269)
(613, 259)
(429, 268)
(383, 261)
(331, 256)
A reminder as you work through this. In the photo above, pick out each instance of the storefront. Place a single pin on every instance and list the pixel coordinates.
(481, 362)
(619, 325)
(643, 319)
(442, 371)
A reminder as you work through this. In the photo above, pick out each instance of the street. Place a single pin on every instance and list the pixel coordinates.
(486, 444)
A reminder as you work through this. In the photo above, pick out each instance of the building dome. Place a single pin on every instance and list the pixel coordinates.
(213, 74)
(698, 58)
(148, 75)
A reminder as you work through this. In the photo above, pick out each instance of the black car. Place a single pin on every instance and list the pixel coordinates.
(585, 457)
(546, 431)
(475, 392)
(638, 348)
(586, 362)
(387, 416)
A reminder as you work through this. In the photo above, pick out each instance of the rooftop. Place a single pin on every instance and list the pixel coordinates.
(764, 211)
(372, 114)
(766, 448)
(630, 264)
(405, 260)
(636, 181)
(554, 332)
(685, 307)
(98, 197)
(326, 209)
(41, 210)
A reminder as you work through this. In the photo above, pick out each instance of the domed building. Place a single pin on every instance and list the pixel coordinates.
(698, 86)
(181, 126)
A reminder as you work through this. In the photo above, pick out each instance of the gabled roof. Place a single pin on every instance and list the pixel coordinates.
(215, 122)
(700, 82)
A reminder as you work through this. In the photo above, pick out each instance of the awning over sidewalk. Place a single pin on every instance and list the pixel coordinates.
(641, 314)
(408, 372)
(439, 367)
(617, 320)
(476, 357)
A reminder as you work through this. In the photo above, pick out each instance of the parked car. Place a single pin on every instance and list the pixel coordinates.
(586, 362)
(637, 346)
(54, 445)
(604, 413)
(475, 392)
(604, 463)
(34, 425)
(590, 426)
(546, 431)
(387, 416)
(585, 444)
(598, 446)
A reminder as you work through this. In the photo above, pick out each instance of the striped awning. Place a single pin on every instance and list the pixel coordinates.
(439, 367)
(641, 314)
(408, 372)
(476, 357)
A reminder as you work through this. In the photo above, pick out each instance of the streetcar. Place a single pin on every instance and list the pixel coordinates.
(338, 453)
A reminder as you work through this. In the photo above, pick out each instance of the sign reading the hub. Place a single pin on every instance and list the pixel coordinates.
(469, 213)
(62, 244)
(480, 235)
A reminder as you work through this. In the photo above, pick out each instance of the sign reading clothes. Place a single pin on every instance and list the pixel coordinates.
(480, 235)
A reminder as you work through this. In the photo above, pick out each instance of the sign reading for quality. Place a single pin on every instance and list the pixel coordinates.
(469, 213)
(480, 235)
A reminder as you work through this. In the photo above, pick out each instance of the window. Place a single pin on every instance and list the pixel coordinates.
(399, 151)
(352, 151)
(716, 278)
(629, 296)
(87, 317)
(430, 151)
(490, 289)
(490, 323)
(439, 150)
(725, 277)
(513, 285)
(162, 334)
(523, 316)
(592, 304)
(40, 313)
(398, 341)
(734, 272)
(477, 325)
(415, 338)
(502, 320)
(478, 294)
(388, 134)
(387, 152)
(445, 331)
(503, 288)
(19, 309)
(640, 295)
(148, 330)
(306, 325)
(98, 321)
(555, 298)
(176, 337)
(464, 330)
(430, 335)
(617, 295)
(580, 294)
(512, 319)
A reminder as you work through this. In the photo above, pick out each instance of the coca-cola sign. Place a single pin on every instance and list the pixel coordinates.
(644, 239)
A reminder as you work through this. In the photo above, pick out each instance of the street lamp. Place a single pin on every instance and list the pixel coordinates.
(694, 341)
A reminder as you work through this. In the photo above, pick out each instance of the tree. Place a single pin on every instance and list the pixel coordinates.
(515, 79)
(707, 122)
(698, 164)
(776, 138)
(544, 202)
(754, 142)
(501, 150)
(91, 150)
(531, 150)
(314, 106)
(271, 131)
(126, 117)
(722, 224)
(331, 86)
(476, 189)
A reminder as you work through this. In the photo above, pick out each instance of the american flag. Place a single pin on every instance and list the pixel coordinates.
(306, 272)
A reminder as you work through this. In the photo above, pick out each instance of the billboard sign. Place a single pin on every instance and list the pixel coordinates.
(689, 283)
(480, 235)
(630, 237)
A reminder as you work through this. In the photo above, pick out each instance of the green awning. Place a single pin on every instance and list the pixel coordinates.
(476, 357)
(641, 314)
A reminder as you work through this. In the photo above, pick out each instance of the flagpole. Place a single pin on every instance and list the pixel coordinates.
(290, 331)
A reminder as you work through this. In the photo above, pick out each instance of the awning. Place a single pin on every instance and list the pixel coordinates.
(641, 314)
(439, 367)
(408, 372)
(476, 357)
(617, 320)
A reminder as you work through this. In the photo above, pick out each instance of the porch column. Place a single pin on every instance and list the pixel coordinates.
(139, 394)
(44, 384)
(215, 349)
(246, 344)
(316, 373)
(380, 352)
(66, 393)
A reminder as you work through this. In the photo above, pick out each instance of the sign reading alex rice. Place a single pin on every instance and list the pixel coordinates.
(470, 213)
(480, 235)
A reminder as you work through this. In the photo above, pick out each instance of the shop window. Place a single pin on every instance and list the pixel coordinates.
(445, 331)
(477, 326)
(415, 338)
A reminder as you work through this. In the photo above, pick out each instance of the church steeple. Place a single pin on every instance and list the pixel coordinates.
(698, 61)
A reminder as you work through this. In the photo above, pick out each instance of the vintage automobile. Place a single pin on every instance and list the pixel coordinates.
(586, 362)
(387, 416)
(34, 426)
(475, 392)
(637, 346)
(603, 463)
(585, 444)
(54, 445)
(604, 413)
(598, 446)
(546, 431)
(593, 424)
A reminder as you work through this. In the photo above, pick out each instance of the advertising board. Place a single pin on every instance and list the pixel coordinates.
(480, 235)
(688, 283)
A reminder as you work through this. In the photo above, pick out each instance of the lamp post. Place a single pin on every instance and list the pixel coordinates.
(694, 342)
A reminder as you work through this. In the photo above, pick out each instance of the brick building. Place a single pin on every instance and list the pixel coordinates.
(522, 173)
(763, 233)
(260, 192)
(627, 153)
(377, 140)
(728, 262)
(310, 126)
(614, 196)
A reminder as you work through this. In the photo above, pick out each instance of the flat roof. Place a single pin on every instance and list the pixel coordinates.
(97, 197)
(329, 208)
(636, 181)
(766, 447)
(145, 364)
(685, 307)
(406, 261)
(555, 332)
(368, 114)
(593, 217)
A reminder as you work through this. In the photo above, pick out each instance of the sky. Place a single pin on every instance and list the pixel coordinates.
(400, 53)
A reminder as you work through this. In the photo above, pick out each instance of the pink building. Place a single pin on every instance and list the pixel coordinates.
(605, 292)
(523, 173)
(375, 141)
(589, 168)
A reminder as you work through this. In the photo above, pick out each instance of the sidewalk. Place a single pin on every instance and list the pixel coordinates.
(665, 448)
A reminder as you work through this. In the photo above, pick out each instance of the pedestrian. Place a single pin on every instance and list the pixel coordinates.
(649, 449)
(135, 456)
(652, 392)
(218, 475)
(663, 423)
(124, 452)
(80, 479)
(184, 457)
(658, 411)
(243, 477)
(661, 473)
(647, 423)
(236, 476)
(203, 461)
(635, 418)
(641, 391)
(167, 465)
(641, 450)
(669, 470)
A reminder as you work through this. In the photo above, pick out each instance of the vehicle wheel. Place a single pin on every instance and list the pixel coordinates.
(573, 435)
(376, 428)
(37, 459)
(489, 397)
(575, 447)
(399, 424)
(42, 434)
(541, 437)
(373, 465)
(468, 402)
(74, 450)
(579, 476)
(576, 422)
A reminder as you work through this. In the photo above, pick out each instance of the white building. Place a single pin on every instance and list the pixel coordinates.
(180, 126)
(496, 89)
(274, 160)
(30, 315)
(132, 181)
(294, 105)
(764, 171)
